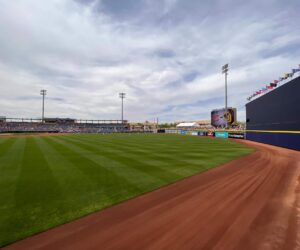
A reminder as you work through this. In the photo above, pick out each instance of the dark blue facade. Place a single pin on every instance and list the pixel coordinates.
(287, 140)
(278, 110)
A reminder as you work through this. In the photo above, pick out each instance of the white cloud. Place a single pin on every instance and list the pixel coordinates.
(84, 55)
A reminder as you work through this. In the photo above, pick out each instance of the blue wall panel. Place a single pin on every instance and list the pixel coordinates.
(277, 110)
(287, 140)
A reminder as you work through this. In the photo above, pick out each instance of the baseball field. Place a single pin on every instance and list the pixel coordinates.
(46, 181)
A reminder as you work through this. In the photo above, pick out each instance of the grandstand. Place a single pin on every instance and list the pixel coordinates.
(61, 125)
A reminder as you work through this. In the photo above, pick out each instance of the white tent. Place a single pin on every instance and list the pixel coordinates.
(188, 125)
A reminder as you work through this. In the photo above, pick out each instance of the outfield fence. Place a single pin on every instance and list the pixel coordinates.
(218, 134)
(287, 139)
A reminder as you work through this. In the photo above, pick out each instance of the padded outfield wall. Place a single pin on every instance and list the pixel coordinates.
(274, 118)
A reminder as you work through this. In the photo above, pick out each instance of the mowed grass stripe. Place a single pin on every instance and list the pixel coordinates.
(3, 139)
(136, 147)
(6, 145)
(146, 144)
(74, 183)
(138, 161)
(144, 141)
(109, 187)
(182, 163)
(11, 154)
(89, 185)
(169, 162)
(133, 177)
(10, 165)
(116, 143)
(164, 159)
(37, 195)
(102, 140)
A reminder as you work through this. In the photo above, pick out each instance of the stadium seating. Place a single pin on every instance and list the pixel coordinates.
(20, 127)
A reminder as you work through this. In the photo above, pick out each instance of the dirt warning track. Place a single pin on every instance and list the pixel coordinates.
(249, 203)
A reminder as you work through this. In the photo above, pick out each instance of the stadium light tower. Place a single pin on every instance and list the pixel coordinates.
(122, 96)
(225, 69)
(43, 93)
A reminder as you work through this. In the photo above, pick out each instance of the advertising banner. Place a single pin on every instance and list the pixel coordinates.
(221, 134)
(202, 133)
(172, 131)
(210, 133)
(183, 132)
(236, 135)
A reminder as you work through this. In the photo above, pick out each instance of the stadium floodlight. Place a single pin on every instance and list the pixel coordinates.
(225, 69)
(43, 93)
(122, 96)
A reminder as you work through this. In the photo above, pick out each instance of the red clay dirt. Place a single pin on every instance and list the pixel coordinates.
(250, 203)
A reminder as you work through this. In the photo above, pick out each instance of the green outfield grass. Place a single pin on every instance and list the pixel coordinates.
(47, 181)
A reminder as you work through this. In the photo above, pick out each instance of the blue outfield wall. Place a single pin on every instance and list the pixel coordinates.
(287, 140)
(274, 118)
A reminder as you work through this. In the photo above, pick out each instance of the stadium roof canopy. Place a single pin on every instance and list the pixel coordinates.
(187, 124)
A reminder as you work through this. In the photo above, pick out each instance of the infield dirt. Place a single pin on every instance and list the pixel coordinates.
(249, 203)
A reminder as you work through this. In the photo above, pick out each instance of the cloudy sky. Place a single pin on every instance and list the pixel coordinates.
(165, 54)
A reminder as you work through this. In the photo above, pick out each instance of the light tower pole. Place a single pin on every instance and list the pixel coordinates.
(122, 96)
(225, 69)
(43, 93)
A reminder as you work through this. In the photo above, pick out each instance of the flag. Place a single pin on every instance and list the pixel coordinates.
(275, 81)
(270, 86)
(274, 85)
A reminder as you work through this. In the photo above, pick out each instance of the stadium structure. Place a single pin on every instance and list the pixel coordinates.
(274, 117)
(61, 125)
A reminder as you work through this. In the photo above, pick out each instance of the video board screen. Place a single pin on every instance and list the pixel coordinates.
(218, 117)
